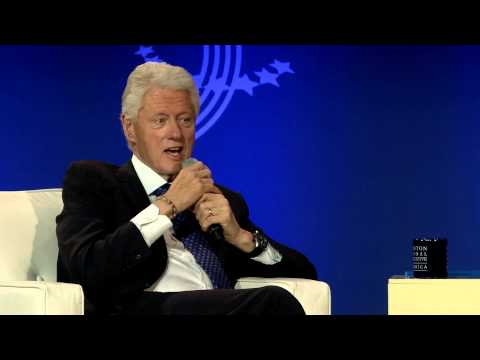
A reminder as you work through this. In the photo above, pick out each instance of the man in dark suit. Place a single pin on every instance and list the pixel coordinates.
(139, 237)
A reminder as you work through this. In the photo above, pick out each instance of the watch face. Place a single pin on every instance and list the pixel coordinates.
(261, 240)
(261, 243)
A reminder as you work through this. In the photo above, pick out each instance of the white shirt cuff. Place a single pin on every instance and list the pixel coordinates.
(151, 223)
(269, 256)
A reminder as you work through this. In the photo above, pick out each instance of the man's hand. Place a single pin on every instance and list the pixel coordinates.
(189, 185)
(214, 208)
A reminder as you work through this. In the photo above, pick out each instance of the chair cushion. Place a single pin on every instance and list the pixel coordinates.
(40, 298)
(27, 234)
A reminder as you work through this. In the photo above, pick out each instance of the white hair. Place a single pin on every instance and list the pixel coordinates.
(156, 75)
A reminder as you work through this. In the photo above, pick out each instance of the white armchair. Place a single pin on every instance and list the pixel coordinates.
(28, 262)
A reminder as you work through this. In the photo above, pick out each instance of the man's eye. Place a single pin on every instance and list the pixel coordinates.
(187, 122)
(159, 121)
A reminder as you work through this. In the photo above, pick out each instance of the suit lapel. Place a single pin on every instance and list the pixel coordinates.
(132, 187)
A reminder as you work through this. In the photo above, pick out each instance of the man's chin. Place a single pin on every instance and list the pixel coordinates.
(170, 173)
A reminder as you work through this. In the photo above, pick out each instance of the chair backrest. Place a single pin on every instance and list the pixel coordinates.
(28, 242)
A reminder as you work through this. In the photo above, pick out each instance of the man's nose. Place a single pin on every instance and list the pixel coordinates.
(174, 129)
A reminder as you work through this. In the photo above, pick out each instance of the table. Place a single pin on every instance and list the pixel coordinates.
(459, 294)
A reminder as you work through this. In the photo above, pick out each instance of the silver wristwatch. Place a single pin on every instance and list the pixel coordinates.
(261, 243)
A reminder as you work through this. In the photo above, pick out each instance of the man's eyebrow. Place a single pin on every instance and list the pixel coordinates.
(188, 113)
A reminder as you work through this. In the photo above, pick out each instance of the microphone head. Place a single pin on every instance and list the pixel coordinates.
(188, 162)
(216, 231)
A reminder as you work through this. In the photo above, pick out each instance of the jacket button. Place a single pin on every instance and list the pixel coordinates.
(138, 256)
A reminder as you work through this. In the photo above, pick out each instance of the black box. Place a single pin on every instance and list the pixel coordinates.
(430, 258)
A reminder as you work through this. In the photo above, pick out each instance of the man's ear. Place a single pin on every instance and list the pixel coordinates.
(128, 129)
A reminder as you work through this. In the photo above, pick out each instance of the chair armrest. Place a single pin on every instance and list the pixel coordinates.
(40, 298)
(314, 296)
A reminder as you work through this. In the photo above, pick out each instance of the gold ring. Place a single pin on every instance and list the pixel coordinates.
(210, 212)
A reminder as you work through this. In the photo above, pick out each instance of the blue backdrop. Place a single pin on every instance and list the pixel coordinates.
(345, 153)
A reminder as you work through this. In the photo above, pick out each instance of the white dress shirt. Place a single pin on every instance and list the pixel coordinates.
(182, 272)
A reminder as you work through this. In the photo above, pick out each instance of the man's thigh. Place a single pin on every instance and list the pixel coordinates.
(269, 300)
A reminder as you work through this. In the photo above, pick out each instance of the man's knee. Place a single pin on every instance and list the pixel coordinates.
(281, 301)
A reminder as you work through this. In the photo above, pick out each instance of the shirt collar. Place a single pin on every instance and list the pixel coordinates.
(150, 180)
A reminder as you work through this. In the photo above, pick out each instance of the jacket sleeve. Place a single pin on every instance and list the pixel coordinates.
(293, 264)
(107, 259)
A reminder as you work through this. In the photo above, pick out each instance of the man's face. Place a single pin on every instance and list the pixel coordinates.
(164, 132)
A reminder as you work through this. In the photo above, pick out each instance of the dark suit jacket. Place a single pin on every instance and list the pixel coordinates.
(100, 249)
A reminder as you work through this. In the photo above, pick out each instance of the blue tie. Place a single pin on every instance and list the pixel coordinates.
(189, 232)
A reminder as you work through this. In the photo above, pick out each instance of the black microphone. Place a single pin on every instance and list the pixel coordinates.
(215, 230)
